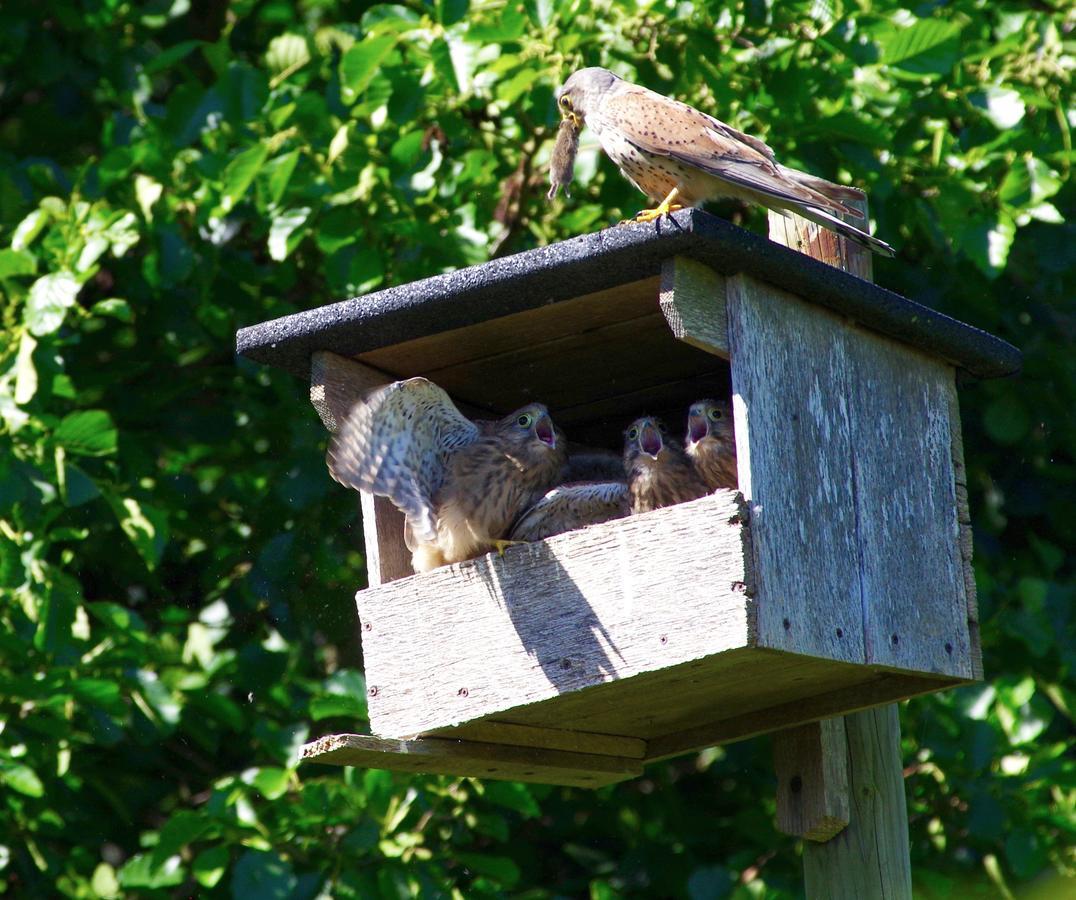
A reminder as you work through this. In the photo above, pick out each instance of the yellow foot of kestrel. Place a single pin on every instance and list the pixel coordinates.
(664, 208)
(501, 546)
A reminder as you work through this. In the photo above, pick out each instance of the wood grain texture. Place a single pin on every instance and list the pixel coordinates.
(791, 377)
(963, 517)
(821, 243)
(387, 557)
(870, 858)
(493, 732)
(693, 301)
(861, 689)
(911, 577)
(472, 759)
(811, 763)
(603, 603)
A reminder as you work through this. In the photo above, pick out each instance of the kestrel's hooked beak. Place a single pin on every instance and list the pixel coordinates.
(697, 428)
(568, 113)
(650, 440)
(545, 431)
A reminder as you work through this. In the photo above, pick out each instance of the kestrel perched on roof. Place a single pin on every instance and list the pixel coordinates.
(570, 506)
(679, 156)
(710, 443)
(659, 472)
(460, 484)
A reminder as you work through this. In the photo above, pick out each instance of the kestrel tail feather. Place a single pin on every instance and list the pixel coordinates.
(820, 217)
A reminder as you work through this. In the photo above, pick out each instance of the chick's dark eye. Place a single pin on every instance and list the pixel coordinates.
(662, 429)
(564, 101)
(633, 433)
(715, 414)
(524, 421)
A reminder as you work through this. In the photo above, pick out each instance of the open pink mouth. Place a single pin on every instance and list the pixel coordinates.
(545, 432)
(650, 440)
(697, 428)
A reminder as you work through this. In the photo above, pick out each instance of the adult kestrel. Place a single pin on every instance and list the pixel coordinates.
(679, 156)
(460, 484)
(711, 444)
(659, 472)
(571, 506)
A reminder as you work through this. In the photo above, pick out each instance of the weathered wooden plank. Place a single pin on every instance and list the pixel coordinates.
(518, 331)
(438, 756)
(870, 858)
(580, 609)
(911, 576)
(963, 517)
(811, 763)
(693, 302)
(822, 243)
(861, 691)
(493, 732)
(606, 361)
(387, 557)
(790, 381)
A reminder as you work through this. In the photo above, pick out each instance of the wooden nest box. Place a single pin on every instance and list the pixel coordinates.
(841, 579)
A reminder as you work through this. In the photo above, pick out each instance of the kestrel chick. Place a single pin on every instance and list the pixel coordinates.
(571, 506)
(659, 472)
(711, 444)
(460, 484)
(679, 156)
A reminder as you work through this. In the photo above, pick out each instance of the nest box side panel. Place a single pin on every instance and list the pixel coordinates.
(603, 603)
(915, 608)
(790, 379)
(845, 455)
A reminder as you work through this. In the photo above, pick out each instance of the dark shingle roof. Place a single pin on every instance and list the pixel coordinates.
(605, 259)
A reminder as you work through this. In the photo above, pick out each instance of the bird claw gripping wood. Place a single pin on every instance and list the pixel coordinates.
(562, 165)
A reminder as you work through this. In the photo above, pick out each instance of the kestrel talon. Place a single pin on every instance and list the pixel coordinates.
(710, 443)
(659, 472)
(679, 156)
(460, 484)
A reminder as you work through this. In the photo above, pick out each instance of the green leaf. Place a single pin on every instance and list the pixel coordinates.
(145, 526)
(988, 244)
(1029, 182)
(930, 46)
(360, 64)
(21, 778)
(88, 432)
(113, 307)
(183, 828)
(262, 875)
(168, 58)
(239, 174)
(25, 372)
(287, 52)
(209, 866)
(278, 172)
(50, 298)
(272, 782)
(141, 871)
(99, 692)
(1004, 107)
(104, 882)
(16, 262)
(500, 868)
(286, 231)
(28, 229)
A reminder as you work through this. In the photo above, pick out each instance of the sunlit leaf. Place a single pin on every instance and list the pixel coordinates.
(360, 63)
(240, 173)
(88, 432)
(49, 299)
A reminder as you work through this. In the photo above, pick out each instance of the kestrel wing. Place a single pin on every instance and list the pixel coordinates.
(572, 506)
(665, 127)
(396, 443)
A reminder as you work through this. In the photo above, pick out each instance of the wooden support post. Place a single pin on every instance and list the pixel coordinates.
(871, 857)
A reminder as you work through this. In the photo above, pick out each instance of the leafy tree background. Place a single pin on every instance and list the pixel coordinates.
(176, 568)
